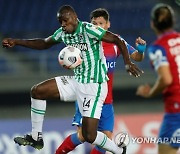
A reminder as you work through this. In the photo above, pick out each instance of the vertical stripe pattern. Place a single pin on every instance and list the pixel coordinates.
(87, 38)
(96, 101)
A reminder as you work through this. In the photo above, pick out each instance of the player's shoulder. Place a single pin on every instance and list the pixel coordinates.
(87, 24)
(164, 38)
(174, 34)
(59, 30)
(156, 53)
(118, 35)
(90, 26)
(154, 46)
(57, 34)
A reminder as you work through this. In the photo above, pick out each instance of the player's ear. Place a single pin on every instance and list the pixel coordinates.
(108, 24)
(75, 16)
(152, 24)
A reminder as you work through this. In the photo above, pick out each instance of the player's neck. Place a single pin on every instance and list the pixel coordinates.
(162, 33)
(77, 25)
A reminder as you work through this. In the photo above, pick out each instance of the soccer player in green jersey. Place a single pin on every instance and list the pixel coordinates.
(89, 84)
(101, 17)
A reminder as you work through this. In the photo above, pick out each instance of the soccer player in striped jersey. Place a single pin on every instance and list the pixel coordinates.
(164, 54)
(88, 85)
(100, 17)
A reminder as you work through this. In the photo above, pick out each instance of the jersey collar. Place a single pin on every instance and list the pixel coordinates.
(166, 33)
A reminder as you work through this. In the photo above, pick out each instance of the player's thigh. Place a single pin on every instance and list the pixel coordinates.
(166, 149)
(45, 90)
(66, 87)
(90, 99)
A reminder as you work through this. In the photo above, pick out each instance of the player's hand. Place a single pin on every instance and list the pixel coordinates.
(140, 45)
(139, 40)
(143, 91)
(8, 43)
(132, 69)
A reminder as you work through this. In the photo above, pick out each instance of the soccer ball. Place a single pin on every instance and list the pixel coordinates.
(70, 57)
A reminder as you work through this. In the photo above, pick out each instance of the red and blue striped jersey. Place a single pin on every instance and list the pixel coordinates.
(111, 53)
(166, 51)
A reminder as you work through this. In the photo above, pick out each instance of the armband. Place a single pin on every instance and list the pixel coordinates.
(141, 48)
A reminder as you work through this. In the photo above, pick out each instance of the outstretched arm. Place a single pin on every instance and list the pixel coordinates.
(36, 43)
(164, 80)
(130, 67)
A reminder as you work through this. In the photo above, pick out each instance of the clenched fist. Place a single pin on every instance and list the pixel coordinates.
(8, 43)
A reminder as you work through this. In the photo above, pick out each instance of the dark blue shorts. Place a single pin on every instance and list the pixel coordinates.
(170, 130)
(106, 122)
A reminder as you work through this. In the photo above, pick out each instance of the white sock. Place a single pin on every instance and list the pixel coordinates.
(38, 108)
(103, 141)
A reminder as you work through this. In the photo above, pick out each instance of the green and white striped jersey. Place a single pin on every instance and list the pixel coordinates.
(87, 38)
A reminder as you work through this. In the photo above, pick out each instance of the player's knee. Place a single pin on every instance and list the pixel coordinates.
(35, 92)
(89, 136)
(80, 136)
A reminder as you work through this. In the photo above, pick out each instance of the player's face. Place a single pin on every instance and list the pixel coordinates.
(68, 22)
(100, 21)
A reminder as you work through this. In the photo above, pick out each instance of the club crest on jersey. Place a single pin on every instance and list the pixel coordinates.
(81, 38)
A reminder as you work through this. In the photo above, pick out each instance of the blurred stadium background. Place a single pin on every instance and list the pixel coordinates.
(21, 68)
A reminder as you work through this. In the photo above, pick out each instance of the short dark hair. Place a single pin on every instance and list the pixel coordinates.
(162, 16)
(100, 12)
(65, 8)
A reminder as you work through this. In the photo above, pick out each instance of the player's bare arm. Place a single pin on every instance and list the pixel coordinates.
(36, 43)
(131, 68)
(164, 80)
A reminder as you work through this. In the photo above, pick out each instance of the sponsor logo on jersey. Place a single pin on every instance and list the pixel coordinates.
(174, 41)
(80, 46)
(111, 64)
(174, 44)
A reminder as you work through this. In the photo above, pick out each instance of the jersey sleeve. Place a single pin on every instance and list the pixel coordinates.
(129, 47)
(57, 35)
(95, 32)
(157, 56)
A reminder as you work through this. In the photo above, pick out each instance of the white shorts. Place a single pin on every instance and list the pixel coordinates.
(90, 96)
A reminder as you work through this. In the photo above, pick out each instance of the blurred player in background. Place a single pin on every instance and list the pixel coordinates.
(100, 17)
(88, 86)
(164, 54)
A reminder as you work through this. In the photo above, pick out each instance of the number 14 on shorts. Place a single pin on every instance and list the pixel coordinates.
(86, 104)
